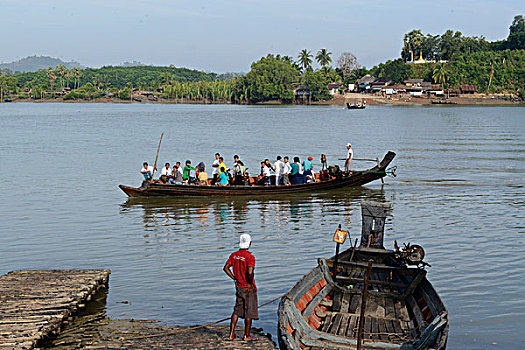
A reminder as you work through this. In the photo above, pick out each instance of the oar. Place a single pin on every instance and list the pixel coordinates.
(156, 158)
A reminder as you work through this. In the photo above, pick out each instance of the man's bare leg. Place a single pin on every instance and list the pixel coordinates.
(247, 328)
(233, 324)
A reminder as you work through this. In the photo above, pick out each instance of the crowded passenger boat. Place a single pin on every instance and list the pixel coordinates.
(283, 175)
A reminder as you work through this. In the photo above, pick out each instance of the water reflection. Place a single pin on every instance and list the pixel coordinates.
(165, 216)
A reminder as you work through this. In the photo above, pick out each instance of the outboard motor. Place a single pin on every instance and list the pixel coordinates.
(334, 170)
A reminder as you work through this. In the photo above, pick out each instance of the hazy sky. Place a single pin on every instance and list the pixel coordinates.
(227, 35)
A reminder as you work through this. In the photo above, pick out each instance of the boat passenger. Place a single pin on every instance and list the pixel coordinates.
(240, 173)
(189, 173)
(202, 177)
(264, 178)
(235, 161)
(223, 179)
(308, 169)
(146, 171)
(295, 176)
(215, 166)
(166, 173)
(286, 171)
(272, 171)
(279, 171)
(177, 174)
(243, 263)
(349, 155)
(222, 166)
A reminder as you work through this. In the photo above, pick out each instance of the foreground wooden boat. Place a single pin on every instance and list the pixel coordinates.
(357, 178)
(402, 309)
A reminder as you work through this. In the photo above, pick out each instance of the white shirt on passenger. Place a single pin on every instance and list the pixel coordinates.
(216, 169)
(144, 170)
(279, 167)
(350, 154)
(166, 172)
(266, 171)
(287, 169)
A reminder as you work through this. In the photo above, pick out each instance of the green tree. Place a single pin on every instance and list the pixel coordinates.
(270, 78)
(323, 57)
(412, 44)
(305, 59)
(318, 85)
(395, 70)
(516, 38)
(440, 74)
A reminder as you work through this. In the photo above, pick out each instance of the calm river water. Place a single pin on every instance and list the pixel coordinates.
(459, 193)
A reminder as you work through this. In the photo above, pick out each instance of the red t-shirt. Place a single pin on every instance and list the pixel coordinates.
(240, 261)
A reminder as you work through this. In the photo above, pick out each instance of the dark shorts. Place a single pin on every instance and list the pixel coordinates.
(246, 304)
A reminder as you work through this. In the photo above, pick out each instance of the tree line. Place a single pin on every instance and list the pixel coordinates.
(453, 59)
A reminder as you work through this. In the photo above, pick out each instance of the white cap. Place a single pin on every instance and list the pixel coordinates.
(348, 145)
(244, 241)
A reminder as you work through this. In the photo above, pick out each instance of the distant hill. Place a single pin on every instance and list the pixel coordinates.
(35, 63)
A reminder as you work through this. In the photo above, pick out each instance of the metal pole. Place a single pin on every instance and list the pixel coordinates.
(363, 307)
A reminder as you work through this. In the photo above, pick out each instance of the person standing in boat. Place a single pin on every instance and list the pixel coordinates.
(279, 171)
(349, 156)
(296, 177)
(235, 162)
(146, 171)
(166, 173)
(287, 169)
(215, 167)
(243, 264)
(240, 173)
(273, 178)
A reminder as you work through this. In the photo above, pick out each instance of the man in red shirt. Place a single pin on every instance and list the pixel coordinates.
(243, 263)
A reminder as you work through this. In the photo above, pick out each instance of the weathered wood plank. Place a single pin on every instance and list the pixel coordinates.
(344, 324)
(345, 302)
(35, 304)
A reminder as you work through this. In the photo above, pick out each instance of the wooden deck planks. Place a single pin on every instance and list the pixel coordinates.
(35, 304)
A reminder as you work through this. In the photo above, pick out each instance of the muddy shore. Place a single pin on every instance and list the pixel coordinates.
(339, 100)
(100, 332)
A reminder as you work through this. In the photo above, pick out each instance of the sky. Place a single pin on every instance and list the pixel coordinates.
(227, 36)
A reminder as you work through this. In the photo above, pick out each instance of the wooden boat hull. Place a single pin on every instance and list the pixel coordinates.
(403, 310)
(357, 178)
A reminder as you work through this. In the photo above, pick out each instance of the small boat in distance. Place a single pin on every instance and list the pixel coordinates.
(357, 105)
(365, 298)
(331, 179)
(443, 102)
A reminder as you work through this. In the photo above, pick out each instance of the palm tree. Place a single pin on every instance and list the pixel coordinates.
(304, 58)
(323, 57)
(440, 75)
(77, 73)
(412, 42)
(52, 77)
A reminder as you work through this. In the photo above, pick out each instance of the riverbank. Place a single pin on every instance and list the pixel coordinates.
(464, 100)
(339, 100)
(100, 332)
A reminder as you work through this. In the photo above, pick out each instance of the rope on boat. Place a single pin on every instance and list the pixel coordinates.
(194, 327)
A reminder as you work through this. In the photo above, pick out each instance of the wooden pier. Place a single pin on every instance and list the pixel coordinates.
(35, 305)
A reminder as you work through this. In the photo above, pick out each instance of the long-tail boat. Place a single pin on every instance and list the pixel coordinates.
(331, 181)
(367, 297)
